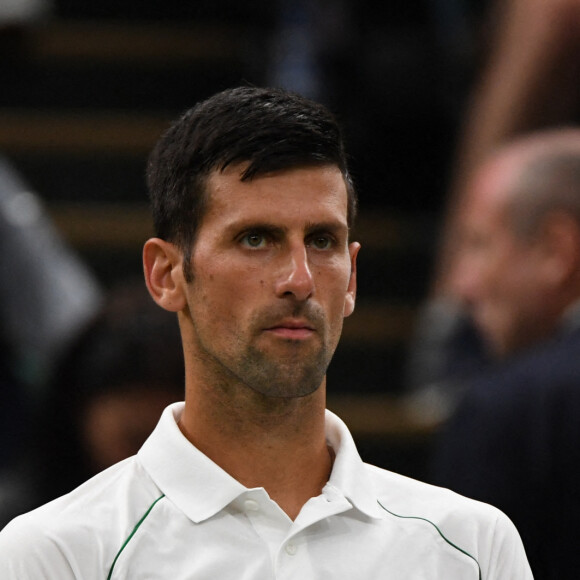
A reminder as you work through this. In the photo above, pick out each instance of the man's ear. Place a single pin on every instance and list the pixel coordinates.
(560, 239)
(350, 300)
(163, 269)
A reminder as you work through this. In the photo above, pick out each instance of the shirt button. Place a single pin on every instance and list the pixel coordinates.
(252, 505)
(291, 549)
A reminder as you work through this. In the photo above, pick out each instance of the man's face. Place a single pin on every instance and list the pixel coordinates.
(273, 278)
(497, 272)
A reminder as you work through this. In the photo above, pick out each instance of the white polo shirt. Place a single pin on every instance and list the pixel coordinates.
(171, 513)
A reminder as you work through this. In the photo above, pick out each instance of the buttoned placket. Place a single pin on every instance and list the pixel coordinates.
(285, 539)
(268, 520)
(294, 553)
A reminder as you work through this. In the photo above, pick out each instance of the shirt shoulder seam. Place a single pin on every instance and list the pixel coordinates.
(438, 531)
(133, 532)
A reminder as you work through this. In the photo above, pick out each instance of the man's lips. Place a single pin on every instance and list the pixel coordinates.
(292, 329)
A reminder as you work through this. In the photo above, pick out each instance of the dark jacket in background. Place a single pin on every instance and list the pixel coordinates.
(514, 442)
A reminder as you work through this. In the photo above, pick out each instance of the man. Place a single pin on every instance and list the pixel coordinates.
(251, 477)
(514, 440)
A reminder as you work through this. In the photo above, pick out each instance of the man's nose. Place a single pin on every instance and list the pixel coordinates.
(295, 276)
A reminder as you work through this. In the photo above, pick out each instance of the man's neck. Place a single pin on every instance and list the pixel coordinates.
(280, 446)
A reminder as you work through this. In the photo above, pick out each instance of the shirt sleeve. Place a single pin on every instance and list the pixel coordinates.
(506, 556)
(29, 553)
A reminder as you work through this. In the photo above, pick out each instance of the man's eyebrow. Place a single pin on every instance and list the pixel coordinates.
(260, 226)
(335, 227)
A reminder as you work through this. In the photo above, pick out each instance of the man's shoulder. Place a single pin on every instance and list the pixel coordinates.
(406, 498)
(403, 496)
(477, 529)
(81, 529)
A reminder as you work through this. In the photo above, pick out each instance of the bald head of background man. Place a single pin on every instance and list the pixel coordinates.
(517, 267)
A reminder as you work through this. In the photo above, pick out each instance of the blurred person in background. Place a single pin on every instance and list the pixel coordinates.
(514, 440)
(526, 80)
(110, 388)
(107, 390)
(47, 294)
(46, 291)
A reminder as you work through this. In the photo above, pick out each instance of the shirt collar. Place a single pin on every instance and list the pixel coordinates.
(187, 477)
(201, 489)
(349, 474)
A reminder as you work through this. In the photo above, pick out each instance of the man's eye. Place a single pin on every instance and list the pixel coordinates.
(321, 242)
(254, 240)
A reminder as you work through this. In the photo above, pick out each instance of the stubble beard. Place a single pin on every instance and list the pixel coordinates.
(297, 374)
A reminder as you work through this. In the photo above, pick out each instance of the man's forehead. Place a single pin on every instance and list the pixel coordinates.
(238, 171)
(318, 187)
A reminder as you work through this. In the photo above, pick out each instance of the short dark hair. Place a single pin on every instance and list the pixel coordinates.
(271, 129)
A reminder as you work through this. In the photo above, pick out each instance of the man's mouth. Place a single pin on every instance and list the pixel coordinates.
(292, 329)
